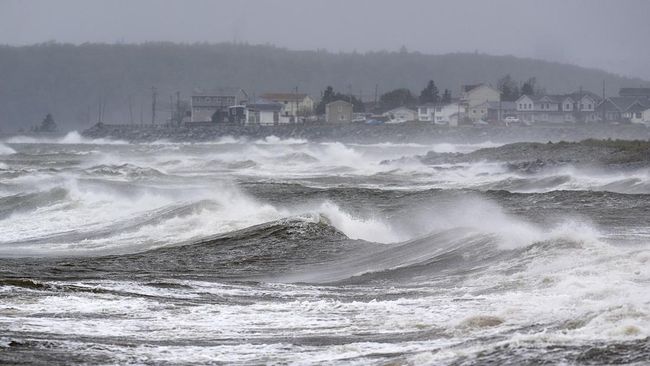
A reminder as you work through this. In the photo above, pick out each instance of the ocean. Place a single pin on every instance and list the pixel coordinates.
(285, 251)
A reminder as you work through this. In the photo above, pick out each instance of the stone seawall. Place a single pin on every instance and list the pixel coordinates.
(415, 132)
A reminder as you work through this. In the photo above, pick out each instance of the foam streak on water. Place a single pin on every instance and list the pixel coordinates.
(286, 251)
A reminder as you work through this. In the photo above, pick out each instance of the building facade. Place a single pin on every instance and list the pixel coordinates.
(212, 106)
(400, 115)
(295, 104)
(565, 108)
(338, 111)
(266, 114)
(474, 95)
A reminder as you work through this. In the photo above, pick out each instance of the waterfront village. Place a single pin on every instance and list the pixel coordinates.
(479, 104)
(476, 105)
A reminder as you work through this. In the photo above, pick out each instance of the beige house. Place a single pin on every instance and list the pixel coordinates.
(400, 115)
(473, 96)
(338, 111)
(295, 104)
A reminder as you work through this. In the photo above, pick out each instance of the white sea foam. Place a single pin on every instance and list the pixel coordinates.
(71, 138)
(6, 150)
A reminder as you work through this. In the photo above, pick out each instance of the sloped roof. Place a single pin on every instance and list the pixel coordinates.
(265, 106)
(339, 102)
(467, 88)
(634, 92)
(625, 103)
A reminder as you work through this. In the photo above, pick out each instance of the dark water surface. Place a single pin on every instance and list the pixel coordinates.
(284, 251)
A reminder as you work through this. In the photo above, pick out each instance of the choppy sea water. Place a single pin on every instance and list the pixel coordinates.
(290, 252)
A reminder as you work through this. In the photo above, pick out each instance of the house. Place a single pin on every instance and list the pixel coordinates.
(496, 111)
(475, 95)
(265, 114)
(562, 108)
(338, 111)
(295, 104)
(439, 113)
(645, 116)
(212, 105)
(400, 115)
(623, 109)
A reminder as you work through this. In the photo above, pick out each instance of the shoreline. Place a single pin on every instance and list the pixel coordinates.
(410, 132)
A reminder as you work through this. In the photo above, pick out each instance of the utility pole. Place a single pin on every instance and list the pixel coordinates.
(171, 109)
(130, 110)
(376, 94)
(179, 117)
(603, 104)
(295, 111)
(154, 95)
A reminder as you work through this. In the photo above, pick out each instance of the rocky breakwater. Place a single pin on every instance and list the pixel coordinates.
(531, 157)
(411, 132)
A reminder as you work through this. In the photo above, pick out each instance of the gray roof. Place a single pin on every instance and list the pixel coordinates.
(265, 106)
(625, 103)
(634, 92)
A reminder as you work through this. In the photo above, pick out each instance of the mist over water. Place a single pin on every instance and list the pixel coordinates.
(288, 251)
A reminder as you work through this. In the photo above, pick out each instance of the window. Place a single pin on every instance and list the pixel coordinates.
(530, 106)
(589, 106)
(568, 106)
(638, 115)
(342, 117)
(582, 106)
(438, 109)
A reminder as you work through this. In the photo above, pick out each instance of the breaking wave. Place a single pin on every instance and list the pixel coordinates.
(71, 138)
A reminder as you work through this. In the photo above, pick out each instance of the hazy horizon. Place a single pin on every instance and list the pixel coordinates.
(595, 34)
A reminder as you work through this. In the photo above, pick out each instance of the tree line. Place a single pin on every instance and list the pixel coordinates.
(400, 97)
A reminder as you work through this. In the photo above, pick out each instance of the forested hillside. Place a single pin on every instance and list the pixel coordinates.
(71, 82)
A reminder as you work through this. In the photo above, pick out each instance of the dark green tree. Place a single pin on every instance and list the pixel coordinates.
(397, 98)
(329, 95)
(430, 93)
(446, 96)
(529, 87)
(508, 88)
(48, 124)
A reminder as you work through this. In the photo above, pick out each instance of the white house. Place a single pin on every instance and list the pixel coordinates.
(400, 115)
(645, 116)
(579, 106)
(440, 114)
(265, 114)
(295, 104)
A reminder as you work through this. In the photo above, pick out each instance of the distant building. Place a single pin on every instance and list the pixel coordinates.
(496, 111)
(295, 104)
(439, 113)
(645, 116)
(265, 114)
(565, 108)
(475, 95)
(400, 115)
(623, 109)
(212, 105)
(338, 111)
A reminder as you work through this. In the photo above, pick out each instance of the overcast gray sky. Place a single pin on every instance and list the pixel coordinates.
(607, 34)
